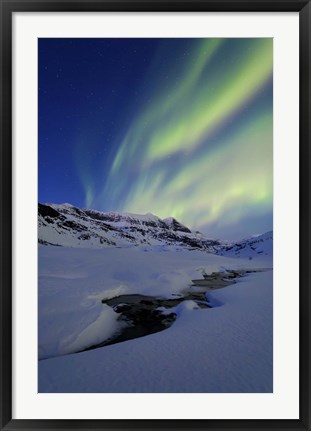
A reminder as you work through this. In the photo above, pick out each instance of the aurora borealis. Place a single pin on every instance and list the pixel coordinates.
(175, 127)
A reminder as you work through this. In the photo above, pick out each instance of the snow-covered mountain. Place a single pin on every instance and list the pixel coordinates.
(262, 244)
(67, 225)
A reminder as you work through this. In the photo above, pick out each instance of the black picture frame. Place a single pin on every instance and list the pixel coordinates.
(8, 7)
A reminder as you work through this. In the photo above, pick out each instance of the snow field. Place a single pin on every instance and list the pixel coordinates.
(224, 349)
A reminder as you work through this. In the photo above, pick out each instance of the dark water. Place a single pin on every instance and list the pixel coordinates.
(141, 315)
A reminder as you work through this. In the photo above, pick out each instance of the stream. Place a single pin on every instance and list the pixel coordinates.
(141, 313)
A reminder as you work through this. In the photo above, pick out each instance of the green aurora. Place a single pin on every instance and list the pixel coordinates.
(174, 159)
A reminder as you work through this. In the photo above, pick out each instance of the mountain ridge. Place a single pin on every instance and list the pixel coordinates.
(67, 225)
(70, 226)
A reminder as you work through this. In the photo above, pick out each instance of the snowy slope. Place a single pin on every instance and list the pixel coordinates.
(227, 348)
(66, 225)
(250, 247)
(73, 281)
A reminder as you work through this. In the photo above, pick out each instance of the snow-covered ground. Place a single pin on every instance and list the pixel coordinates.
(227, 348)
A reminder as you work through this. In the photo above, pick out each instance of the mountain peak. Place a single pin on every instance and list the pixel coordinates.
(176, 225)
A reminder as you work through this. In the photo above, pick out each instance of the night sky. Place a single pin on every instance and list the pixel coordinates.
(175, 127)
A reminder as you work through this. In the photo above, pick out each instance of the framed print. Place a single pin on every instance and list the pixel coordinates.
(155, 215)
